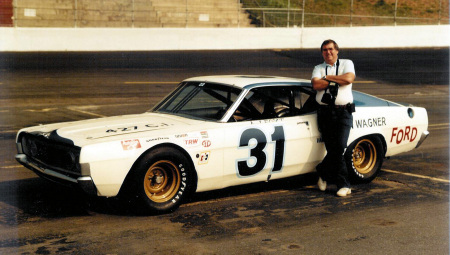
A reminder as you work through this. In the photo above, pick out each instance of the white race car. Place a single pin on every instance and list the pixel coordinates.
(214, 132)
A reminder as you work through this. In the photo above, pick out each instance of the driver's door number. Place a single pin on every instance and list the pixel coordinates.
(258, 153)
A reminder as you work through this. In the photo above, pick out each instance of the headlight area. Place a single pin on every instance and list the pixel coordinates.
(63, 158)
(54, 160)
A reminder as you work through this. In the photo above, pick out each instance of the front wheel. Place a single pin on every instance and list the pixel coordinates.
(161, 180)
(364, 158)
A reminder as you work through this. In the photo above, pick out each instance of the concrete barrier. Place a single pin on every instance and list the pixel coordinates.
(153, 39)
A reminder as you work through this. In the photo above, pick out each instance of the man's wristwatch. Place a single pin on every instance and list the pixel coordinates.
(324, 77)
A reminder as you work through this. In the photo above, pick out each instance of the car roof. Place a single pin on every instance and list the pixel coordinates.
(246, 81)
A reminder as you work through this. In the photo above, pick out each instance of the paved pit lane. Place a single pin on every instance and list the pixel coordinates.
(403, 211)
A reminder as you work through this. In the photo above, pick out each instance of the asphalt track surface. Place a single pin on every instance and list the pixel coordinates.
(403, 211)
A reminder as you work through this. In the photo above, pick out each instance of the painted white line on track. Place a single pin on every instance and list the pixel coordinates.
(75, 109)
(412, 95)
(438, 126)
(9, 131)
(364, 82)
(151, 82)
(12, 167)
(416, 175)
(41, 110)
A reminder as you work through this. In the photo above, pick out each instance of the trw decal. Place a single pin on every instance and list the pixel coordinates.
(192, 142)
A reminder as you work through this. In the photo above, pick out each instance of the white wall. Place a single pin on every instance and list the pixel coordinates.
(143, 39)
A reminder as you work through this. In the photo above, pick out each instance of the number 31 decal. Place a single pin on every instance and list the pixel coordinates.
(258, 151)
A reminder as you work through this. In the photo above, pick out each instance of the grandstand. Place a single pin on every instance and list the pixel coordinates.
(123, 13)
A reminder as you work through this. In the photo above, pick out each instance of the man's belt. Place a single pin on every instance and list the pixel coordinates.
(350, 107)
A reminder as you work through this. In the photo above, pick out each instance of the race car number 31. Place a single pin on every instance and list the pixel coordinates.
(258, 151)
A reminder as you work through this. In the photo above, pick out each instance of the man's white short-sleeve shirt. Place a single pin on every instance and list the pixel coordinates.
(345, 95)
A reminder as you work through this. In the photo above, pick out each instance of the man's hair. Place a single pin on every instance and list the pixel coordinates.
(336, 46)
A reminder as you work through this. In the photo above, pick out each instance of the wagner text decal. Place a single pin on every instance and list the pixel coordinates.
(372, 122)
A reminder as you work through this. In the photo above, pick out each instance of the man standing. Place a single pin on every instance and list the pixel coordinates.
(333, 82)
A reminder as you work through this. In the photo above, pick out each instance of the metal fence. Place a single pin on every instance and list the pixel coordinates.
(242, 13)
(345, 13)
(298, 18)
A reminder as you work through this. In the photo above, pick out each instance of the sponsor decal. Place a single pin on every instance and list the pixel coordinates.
(134, 128)
(203, 158)
(204, 134)
(157, 139)
(192, 142)
(158, 125)
(371, 122)
(131, 144)
(181, 135)
(253, 122)
(403, 134)
(206, 143)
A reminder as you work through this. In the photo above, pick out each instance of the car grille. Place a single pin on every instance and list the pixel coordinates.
(55, 155)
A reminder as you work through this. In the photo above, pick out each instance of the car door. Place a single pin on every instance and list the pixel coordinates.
(270, 140)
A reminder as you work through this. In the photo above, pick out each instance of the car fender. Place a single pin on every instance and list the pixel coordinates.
(399, 131)
(110, 163)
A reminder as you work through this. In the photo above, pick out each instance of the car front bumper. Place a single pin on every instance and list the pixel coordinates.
(84, 182)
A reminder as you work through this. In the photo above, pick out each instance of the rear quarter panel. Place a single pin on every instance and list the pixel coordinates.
(401, 132)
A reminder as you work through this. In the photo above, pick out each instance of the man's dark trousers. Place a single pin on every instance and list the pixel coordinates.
(334, 124)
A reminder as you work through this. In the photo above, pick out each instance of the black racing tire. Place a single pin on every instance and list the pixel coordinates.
(161, 181)
(364, 158)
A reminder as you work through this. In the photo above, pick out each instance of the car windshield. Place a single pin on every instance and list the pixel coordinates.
(199, 100)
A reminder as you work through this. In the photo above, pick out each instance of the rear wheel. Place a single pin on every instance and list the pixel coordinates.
(161, 180)
(364, 158)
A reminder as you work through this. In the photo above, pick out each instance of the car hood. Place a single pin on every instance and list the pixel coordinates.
(90, 131)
